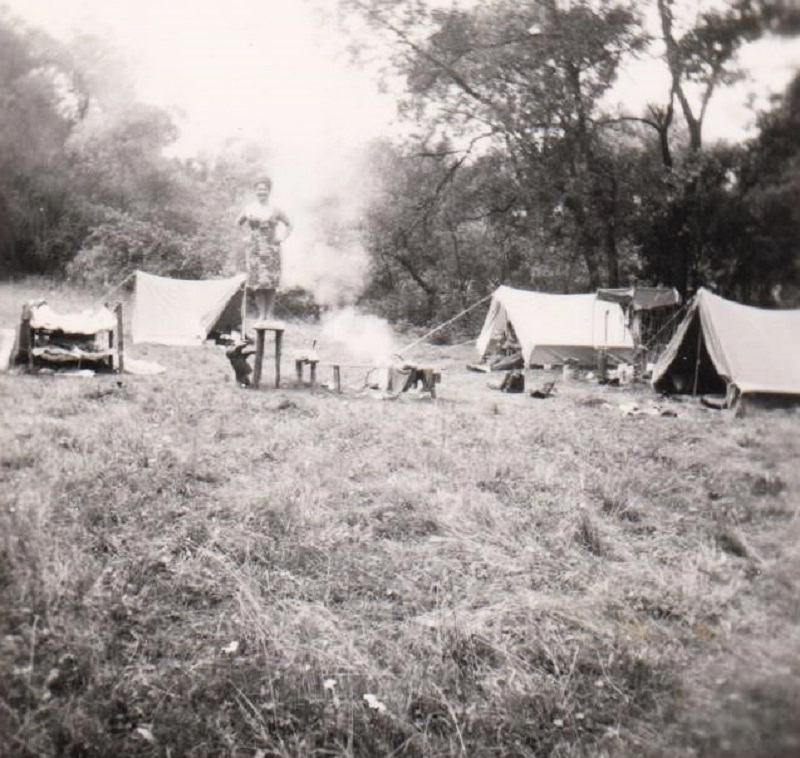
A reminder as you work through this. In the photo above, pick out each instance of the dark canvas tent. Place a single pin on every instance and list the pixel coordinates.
(184, 311)
(652, 313)
(720, 344)
(641, 298)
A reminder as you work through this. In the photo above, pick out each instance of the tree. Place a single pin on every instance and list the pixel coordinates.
(38, 108)
(704, 58)
(429, 227)
(524, 81)
(683, 245)
(117, 158)
(768, 192)
(85, 181)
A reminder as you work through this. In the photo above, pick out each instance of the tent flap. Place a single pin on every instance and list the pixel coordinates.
(179, 311)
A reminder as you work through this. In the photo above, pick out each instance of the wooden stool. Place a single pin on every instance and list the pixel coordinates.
(261, 328)
(298, 367)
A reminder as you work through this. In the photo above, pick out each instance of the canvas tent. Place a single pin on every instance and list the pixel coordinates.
(184, 311)
(554, 329)
(721, 343)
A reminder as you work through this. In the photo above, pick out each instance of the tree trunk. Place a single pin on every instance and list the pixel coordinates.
(610, 252)
(427, 288)
(587, 244)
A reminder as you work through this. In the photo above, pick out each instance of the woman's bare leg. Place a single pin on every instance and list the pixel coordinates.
(261, 304)
(265, 301)
(269, 306)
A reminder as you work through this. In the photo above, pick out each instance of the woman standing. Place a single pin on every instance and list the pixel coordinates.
(268, 228)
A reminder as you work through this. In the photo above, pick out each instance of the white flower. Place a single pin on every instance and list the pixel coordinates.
(329, 684)
(144, 731)
(374, 703)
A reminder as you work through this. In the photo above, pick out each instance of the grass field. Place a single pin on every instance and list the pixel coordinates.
(192, 569)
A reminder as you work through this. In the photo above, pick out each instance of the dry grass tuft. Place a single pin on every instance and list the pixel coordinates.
(587, 535)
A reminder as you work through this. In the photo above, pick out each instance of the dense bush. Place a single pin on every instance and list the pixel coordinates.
(121, 244)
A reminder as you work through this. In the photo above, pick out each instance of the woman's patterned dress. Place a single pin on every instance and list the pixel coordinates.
(264, 251)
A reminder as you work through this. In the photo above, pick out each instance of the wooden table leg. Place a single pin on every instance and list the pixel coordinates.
(26, 336)
(313, 365)
(298, 368)
(120, 341)
(259, 358)
(434, 380)
(278, 341)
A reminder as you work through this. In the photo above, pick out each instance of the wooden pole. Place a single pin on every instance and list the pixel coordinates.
(697, 354)
(244, 309)
(259, 358)
(26, 337)
(278, 341)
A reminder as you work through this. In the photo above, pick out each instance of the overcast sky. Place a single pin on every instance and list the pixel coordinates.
(252, 67)
(267, 68)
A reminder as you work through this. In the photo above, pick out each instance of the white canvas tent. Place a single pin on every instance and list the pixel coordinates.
(183, 311)
(720, 343)
(553, 329)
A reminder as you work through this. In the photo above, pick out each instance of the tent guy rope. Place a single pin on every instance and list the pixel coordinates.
(443, 325)
(119, 286)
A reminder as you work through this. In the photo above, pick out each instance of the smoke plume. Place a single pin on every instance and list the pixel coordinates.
(360, 337)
